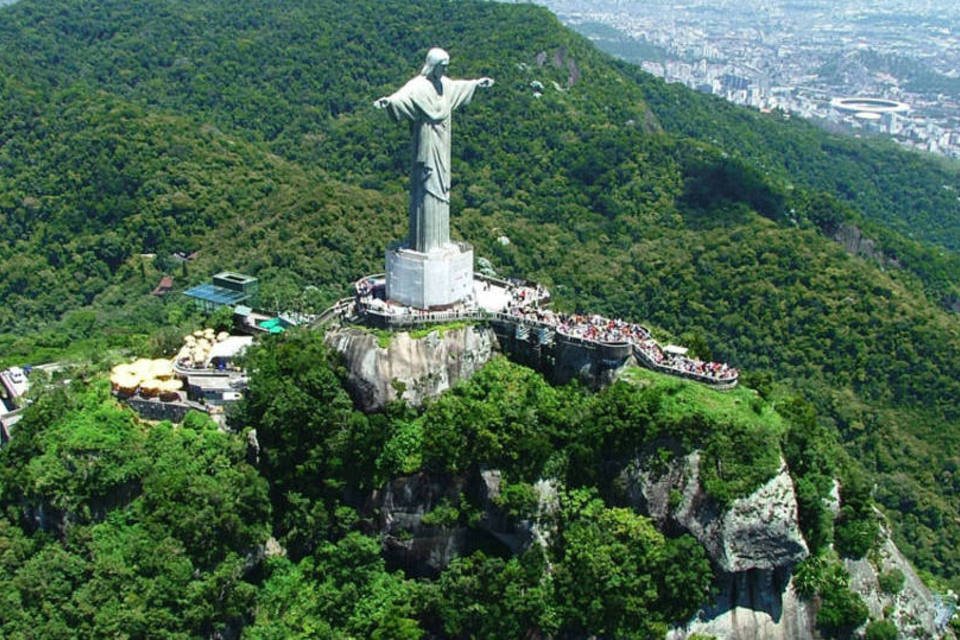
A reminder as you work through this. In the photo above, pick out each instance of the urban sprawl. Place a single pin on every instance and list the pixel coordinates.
(800, 57)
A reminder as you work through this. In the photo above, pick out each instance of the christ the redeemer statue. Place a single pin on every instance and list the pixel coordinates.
(427, 101)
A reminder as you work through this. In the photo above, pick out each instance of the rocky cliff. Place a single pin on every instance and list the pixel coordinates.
(757, 532)
(759, 604)
(411, 369)
(754, 542)
(419, 520)
(762, 604)
(911, 606)
(855, 243)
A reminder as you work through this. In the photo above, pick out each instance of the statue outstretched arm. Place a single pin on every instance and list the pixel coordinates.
(485, 83)
(403, 103)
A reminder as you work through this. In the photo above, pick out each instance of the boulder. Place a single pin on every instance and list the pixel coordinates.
(759, 531)
(412, 369)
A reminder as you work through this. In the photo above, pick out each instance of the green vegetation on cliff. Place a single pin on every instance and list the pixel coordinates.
(114, 526)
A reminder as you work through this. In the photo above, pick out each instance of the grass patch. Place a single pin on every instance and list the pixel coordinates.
(737, 432)
(385, 336)
(739, 406)
(439, 328)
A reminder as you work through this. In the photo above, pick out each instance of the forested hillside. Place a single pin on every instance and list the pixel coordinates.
(113, 526)
(245, 130)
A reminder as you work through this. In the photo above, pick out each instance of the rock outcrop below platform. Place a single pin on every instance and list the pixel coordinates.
(759, 531)
(411, 369)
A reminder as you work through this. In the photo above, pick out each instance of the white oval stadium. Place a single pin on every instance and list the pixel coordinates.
(861, 105)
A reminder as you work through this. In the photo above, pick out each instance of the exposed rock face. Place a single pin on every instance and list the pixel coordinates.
(759, 531)
(754, 543)
(915, 610)
(411, 369)
(762, 604)
(754, 605)
(419, 549)
(548, 505)
(854, 242)
(561, 59)
(513, 534)
(425, 548)
(41, 514)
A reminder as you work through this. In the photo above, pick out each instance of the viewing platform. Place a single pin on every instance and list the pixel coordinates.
(523, 307)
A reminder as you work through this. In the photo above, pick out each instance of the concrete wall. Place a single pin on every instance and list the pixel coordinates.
(430, 280)
(156, 410)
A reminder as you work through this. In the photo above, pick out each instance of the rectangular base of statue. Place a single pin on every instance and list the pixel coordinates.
(432, 280)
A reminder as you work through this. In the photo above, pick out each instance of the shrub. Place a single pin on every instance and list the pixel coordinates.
(891, 582)
(881, 630)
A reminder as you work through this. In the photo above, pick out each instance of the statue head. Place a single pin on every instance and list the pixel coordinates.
(437, 61)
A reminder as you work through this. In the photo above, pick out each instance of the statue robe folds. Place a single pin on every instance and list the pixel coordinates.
(428, 110)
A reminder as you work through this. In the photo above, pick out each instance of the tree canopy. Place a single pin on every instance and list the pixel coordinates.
(132, 133)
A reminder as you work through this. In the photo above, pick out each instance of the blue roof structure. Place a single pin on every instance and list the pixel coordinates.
(216, 295)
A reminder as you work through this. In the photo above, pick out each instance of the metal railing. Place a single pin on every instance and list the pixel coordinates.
(722, 384)
(410, 318)
(416, 318)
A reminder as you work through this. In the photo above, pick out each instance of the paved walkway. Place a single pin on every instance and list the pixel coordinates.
(526, 302)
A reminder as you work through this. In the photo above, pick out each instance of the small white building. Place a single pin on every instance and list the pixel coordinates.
(675, 350)
(13, 386)
(224, 352)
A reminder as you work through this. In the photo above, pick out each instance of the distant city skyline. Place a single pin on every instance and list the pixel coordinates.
(797, 56)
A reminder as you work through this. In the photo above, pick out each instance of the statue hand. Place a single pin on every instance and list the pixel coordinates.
(382, 103)
(485, 83)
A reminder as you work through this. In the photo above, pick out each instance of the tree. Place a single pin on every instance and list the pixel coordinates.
(343, 590)
(152, 529)
(612, 576)
(483, 597)
(312, 440)
(840, 610)
(882, 630)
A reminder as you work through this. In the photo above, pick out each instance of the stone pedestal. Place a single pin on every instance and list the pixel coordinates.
(438, 279)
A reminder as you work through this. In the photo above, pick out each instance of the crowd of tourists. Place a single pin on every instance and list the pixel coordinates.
(596, 328)
(526, 295)
(525, 303)
(650, 351)
(365, 286)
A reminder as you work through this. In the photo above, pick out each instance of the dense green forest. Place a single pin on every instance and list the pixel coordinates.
(244, 131)
(112, 526)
